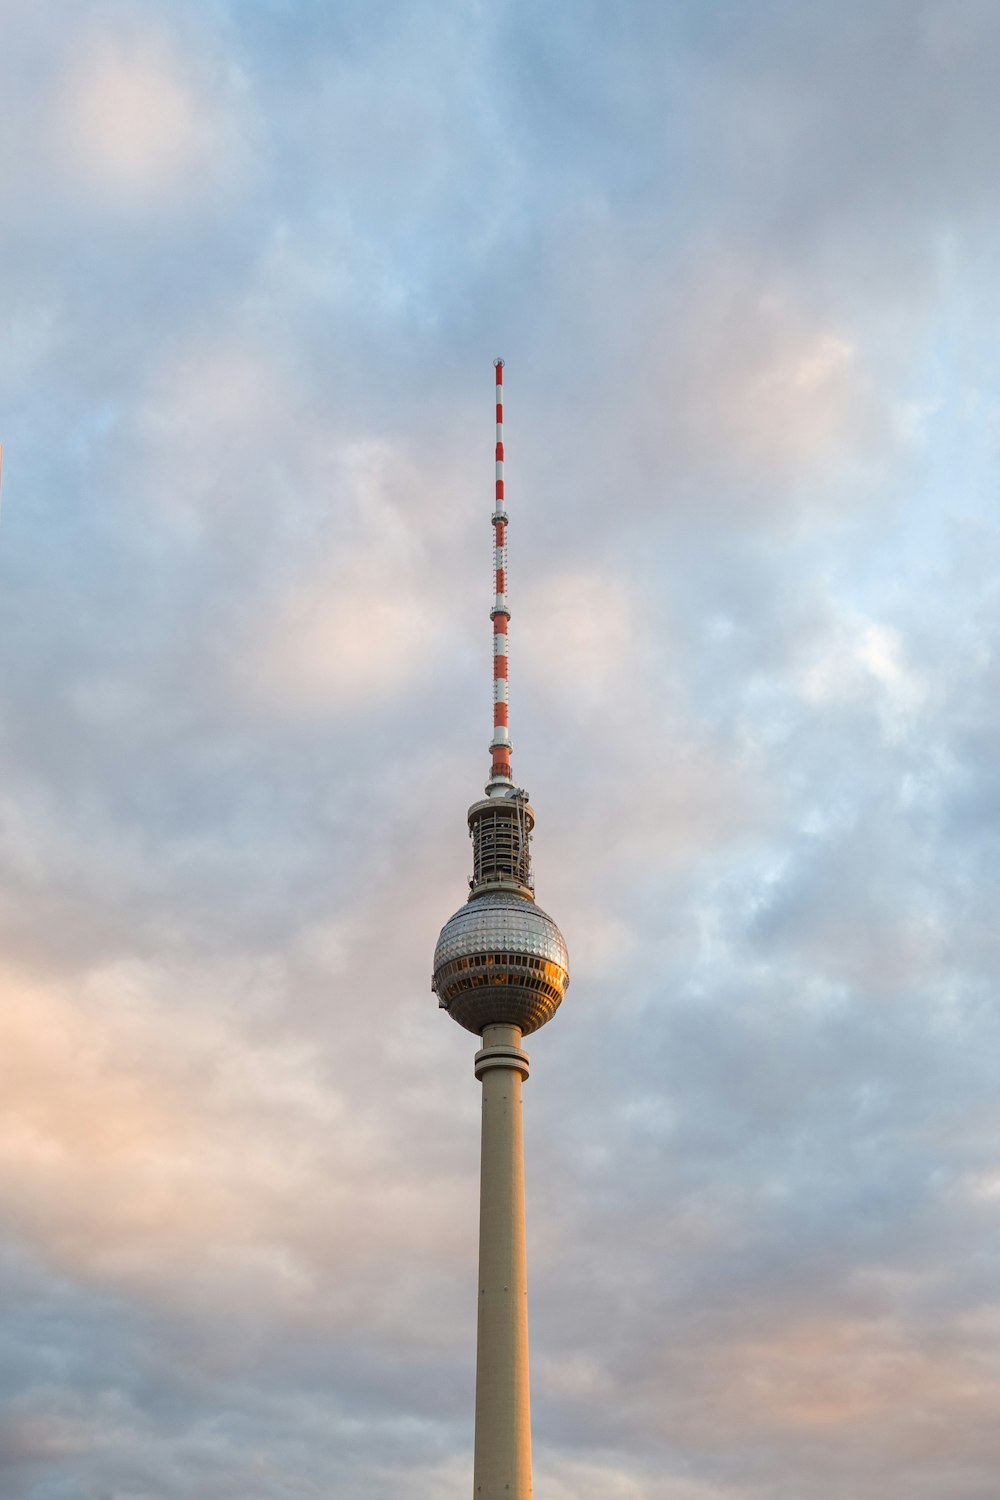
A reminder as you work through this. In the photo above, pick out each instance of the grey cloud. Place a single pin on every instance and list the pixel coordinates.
(738, 263)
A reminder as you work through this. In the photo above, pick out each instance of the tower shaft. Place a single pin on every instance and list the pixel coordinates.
(503, 1414)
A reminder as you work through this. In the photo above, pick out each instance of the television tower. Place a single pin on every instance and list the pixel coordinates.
(500, 970)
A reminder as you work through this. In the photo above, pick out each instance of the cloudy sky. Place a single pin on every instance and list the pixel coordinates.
(256, 258)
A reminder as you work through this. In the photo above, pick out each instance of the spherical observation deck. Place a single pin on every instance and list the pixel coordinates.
(500, 960)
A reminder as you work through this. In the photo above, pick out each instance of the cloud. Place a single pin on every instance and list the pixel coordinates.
(131, 121)
(748, 387)
(867, 656)
(256, 261)
(583, 627)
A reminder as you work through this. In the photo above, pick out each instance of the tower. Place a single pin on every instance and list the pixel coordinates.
(501, 970)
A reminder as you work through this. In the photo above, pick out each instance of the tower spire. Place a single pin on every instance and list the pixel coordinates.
(500, 783)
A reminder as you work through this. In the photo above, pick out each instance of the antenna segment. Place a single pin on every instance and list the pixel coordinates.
(500, 783)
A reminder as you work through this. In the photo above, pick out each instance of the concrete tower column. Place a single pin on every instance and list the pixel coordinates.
(503, 1414)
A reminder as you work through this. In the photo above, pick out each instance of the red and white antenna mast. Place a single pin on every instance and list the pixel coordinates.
(500, 784)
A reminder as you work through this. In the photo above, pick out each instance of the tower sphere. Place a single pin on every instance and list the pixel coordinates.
(500, 960)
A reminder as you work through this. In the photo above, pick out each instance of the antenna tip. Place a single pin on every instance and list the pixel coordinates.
(498, 364)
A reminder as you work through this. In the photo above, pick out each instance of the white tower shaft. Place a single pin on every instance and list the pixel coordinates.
(503, 1412)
